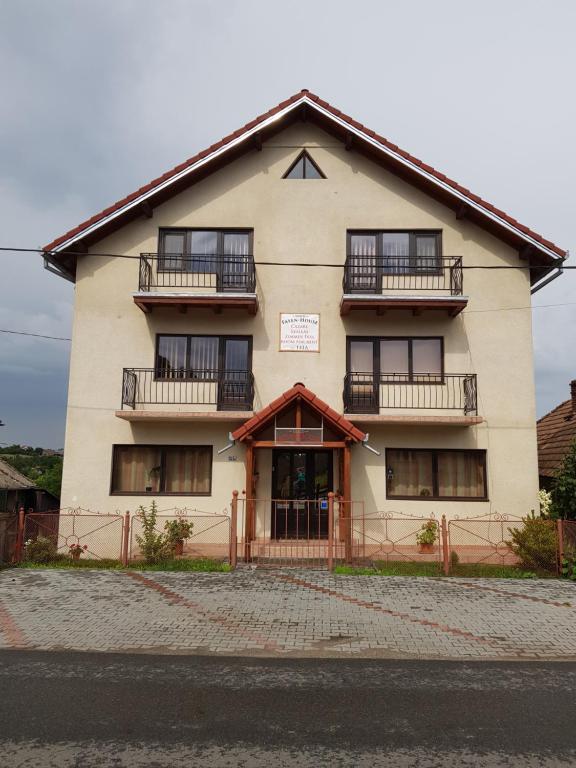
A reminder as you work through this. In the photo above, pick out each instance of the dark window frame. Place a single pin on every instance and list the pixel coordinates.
(222, 339)
(162, 448)
(413, 235)
(383, 378)
(307, 159)
(435, 497)
(187, 232)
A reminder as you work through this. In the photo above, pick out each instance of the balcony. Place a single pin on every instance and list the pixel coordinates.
(186, 281)
(412, 283)
(186, 395)
(397, 398)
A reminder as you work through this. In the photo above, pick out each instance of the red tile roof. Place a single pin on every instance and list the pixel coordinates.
(556, 434)
(276, 406)
(313, 100)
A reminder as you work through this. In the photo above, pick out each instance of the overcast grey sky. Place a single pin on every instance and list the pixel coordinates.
(97, 97)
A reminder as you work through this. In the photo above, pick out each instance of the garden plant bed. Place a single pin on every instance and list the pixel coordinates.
(471, 570)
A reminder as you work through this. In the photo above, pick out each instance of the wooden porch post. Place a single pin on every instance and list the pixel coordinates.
(249, 511)
(347, 491)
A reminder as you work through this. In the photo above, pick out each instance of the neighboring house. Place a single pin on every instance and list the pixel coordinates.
(17, 490)
(556, 434)
(198, 367)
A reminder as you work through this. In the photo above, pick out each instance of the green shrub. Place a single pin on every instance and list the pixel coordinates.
(155, 547)
(535, 543)
(563, 493)
(178, 530)
(40, 550)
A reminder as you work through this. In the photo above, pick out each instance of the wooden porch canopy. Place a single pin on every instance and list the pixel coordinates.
(300, 409)
(305, 421)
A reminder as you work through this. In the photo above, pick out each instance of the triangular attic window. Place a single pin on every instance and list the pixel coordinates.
(304, 168)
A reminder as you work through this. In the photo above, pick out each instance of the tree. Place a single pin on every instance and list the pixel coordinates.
(564, 487)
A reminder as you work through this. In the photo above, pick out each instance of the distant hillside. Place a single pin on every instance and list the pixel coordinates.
(42, 466)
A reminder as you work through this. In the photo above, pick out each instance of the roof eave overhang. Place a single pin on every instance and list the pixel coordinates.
(248, 134)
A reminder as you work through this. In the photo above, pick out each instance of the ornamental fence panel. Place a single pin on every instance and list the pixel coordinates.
(209, 537)
(382, 538)
(77, 535)
(504, 540)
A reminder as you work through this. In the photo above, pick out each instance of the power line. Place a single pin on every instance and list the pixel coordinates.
(207, 258)
(37, 335)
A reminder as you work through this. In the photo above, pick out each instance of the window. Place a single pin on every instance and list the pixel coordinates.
(398, 359)
(304, 168)
(206, 251)
(436, 474)
(203, 358)
(372, 255)
(162, 469)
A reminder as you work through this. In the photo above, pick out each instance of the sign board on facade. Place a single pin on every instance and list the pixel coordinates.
(299, 333)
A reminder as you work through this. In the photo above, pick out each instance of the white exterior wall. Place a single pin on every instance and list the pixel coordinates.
(303, 220)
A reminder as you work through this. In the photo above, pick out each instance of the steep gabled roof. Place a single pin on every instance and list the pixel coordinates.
(556, 434)
(329, 415)
(308, 106)
(12, 480)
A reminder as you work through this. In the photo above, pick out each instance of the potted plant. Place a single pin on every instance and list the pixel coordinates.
(177, 531)
(76, 550)
(427, 535)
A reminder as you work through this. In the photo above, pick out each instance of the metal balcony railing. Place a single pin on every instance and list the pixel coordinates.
(190, 271)
(383, 274)
(226, 390)
(377, 392)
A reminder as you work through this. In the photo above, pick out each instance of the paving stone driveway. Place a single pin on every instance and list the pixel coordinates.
(292, 613)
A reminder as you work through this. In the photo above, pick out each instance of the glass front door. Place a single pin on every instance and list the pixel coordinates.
(301, 481)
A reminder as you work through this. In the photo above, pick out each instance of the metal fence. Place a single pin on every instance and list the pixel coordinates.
(381, 538)
(84, 535)
(194, 272)
(76, 535)
(371, 392)
(209, 537)
(224, 389)
(530, 543)
(379, 274)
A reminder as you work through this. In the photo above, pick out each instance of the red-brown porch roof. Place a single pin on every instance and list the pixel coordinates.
(333, 418)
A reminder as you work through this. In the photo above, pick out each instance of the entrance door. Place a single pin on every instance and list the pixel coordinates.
(301, 481)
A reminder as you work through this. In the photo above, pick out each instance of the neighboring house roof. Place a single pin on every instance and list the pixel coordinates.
(12, 480)
(556, 434)
(329, 415)
(309, 106)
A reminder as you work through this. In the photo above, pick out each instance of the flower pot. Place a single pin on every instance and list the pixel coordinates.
(179, 547)
(76, 554)
(426, 549)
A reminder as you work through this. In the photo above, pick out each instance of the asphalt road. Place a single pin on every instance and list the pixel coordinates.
(87, 710)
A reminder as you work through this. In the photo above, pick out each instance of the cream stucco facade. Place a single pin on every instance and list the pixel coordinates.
(294, 221)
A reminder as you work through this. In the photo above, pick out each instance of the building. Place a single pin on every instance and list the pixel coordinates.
(18, 491)
(207, 356)
(556, 435)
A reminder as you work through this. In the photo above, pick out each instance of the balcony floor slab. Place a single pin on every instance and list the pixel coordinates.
(453, 305)
(183, 416)
(414, 419)
(147, 300)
